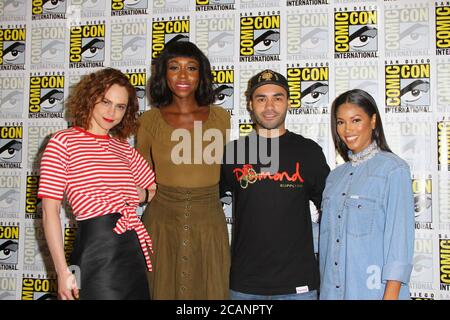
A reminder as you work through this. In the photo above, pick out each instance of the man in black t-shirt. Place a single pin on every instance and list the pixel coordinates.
(273, 174)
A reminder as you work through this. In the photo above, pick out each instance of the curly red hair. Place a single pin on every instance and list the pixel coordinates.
(91, 89)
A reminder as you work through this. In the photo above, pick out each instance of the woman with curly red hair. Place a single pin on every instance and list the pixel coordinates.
(104, 180)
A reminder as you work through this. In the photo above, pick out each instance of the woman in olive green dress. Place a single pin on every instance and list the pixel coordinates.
(185, 218)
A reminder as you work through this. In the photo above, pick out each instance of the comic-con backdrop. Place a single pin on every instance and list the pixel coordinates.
(399, 51)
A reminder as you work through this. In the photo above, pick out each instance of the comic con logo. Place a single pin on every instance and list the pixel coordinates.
(33, 204)
(406, 29)
(9, 195)
(308, 87)
(128, 7)
(47, 46)
(206, 5)
(87, 46)
(422, 201)
(443, 145)
(444, 263)
(422, 273)
(166, 32)
(12, 48)
(443, 30)
(245, 127)
(215, 37)
(69, 240)
(259, 38)
(224, 88)
(128, 42)
(11, 146)
(407, 87)
(308, 35)
(9, 247)
(36, 253)
(355, 34)
(46, 95)
(138, 80)
(360, 75)
(39, 288)
(11, 94)
(48, 9)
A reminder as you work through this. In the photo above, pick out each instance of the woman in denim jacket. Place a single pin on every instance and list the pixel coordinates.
(366, 241)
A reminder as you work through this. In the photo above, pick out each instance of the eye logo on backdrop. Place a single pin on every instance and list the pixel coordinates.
(48, 45)
(206, 5)
(11, 95)
(86, 9)
(165, 32)
(407, 86)
(260, 37)
(223, 79)
(87, 45)
(128, 42)
(407, 30)
(422, 275)
(128, 7)
(443, 138)
(11, 145)
(422, 202)
(355, 33)
(13, 10)
(12, 48)
(308, 88)
(170, 6)
(214, 35)
(48, 9)
(308, 35)
(9, 245)
(138, 79)
(442, 15)
(46, 95)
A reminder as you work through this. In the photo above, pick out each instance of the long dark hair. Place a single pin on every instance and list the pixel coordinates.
(159, 92)
(365, 101)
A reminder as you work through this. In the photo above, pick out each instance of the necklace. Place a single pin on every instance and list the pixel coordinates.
(368, 153)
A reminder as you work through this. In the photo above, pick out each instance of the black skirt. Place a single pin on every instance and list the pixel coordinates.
(112, 266)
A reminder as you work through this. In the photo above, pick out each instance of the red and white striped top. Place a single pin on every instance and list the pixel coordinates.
(99, 175)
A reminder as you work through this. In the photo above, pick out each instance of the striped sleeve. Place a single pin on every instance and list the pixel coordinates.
(143, 175)
(53, 174)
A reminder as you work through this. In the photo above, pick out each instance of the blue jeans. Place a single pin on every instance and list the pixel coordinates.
(310, 295)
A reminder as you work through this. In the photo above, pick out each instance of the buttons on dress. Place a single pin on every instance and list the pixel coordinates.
(343, 193)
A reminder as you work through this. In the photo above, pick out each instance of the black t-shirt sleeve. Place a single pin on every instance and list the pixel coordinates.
(319, 176)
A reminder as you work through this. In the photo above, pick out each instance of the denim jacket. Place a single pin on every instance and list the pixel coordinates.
(367, 229)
